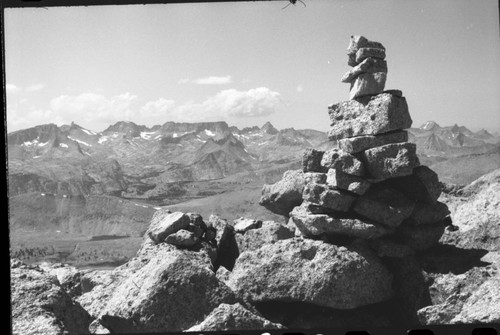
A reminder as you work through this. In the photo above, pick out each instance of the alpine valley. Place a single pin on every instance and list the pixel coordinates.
(71, 189)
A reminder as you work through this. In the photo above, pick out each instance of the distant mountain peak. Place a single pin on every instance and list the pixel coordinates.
(430, 125)
(268, 128)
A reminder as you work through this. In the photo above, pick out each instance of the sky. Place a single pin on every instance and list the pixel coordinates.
(246, 62)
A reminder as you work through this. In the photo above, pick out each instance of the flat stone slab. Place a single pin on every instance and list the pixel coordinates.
(315, 178)
(385, 206)
(360, 143)
(182, 238)
(311, 225)
(391, 160)
(357, 42)
(378, 114)
(338, 179)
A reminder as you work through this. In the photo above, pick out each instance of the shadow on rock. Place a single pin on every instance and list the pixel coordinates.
(449, 258)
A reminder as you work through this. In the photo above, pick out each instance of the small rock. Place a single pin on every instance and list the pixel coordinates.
(368, 84)
(364, 53)
(242, 224)
(227, 249)
(164, 223)
(384, 205)
(391, 160)
(97, 328)
(341, 180)
(182, 238)
(282, 196)
(233, 317)
(374, 115)
(358, 42)
(360, 143)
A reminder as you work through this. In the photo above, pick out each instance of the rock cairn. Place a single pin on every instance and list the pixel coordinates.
(370, 184)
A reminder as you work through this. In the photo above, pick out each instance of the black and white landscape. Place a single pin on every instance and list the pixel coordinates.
(207, 181)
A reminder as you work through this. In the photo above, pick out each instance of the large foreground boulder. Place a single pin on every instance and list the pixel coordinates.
(172, 291)
(233, 317)
(41, 306)
(297, 270)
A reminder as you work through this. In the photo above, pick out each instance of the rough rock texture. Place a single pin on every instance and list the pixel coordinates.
(270, 232)
(282, 196)
(322, 195)
(69, 277)
(425, 214)
(315, 178)
(343, 161)
(172, 291)
(343, 181)
(465, 297)
(477, 214)
(40, 305)
(227, 250)
(380, 114)
(233, 317)
(318, 224)
(165, 223)
(324, 274)
(384, 205)
(391, 160)
(357, 42)
(368, 84)
(369, 65)
(242, 225)
(311, 160)
(182, 238)
(361, 143)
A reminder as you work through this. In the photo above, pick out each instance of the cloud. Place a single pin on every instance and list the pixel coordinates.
(231, 103)
(213, 80)
(183, 81)
(11, 88)
(95, 109)
(300, 88)
(36, 87)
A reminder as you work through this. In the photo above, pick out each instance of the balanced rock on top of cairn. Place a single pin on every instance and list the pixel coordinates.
(370, 184)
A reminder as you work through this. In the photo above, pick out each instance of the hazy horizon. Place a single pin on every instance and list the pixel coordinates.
(246, 63)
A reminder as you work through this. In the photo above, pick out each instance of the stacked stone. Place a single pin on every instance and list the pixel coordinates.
(371, 185)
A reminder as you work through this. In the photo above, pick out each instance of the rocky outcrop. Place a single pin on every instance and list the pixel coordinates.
(41, 306)
(323, 274)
